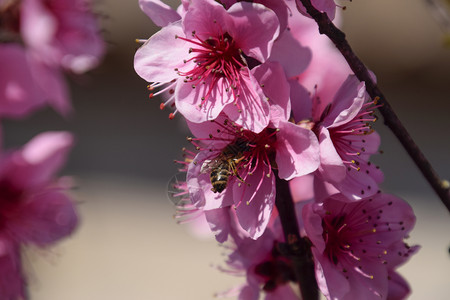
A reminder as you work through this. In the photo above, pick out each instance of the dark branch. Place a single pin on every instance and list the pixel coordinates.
(391, 120)
(299, 250)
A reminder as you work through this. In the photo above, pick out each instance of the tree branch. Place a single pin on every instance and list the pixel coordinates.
(441, 187)
(299, 250)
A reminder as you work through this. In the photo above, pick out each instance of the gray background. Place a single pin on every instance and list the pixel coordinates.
(129, 247)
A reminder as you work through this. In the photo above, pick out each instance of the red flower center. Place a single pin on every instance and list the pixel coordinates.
(215, 58)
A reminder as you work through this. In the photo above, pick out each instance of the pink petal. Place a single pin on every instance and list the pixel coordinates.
(346, 103)
(41, 158)
(12, 282)
(313, 226)
(300, 101)
(19, 95)
(219, 221)
(253, 112)
(45, 218)
(64, 33)
(284, 292)
(331, 166)
(160, 13)
(51, 81)
(249, 292)
(330, 281)
(294, 57)
(256, 202)
(297, 151)
(38, 25)
(398, 287)
(255, 29)
(188, 100)
(158, 58)
(274, 84)
(302, 188)
(206, 18)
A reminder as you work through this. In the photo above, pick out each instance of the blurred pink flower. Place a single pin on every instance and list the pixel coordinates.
(357, 245)
(62, 33)
(19, 94)
(28, 84)
(56, 35)
(206, 60)
(33, 207)
(234, 167)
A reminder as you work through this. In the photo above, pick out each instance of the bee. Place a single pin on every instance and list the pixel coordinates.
(225, 165)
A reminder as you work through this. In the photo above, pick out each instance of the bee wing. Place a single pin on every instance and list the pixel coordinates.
(206, 166)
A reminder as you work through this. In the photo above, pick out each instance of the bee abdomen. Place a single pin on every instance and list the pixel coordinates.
(219, 180)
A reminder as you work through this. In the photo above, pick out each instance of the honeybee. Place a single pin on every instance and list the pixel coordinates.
(225, 165)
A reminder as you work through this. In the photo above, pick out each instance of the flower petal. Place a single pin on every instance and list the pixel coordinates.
(157, 59)
(255, 29)
(45, 218)
(297, 151)
(255, 214)
(331, 166)
(160, 13)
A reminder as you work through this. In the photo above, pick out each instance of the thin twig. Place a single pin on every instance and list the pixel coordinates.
(441, 187)
(299, 250)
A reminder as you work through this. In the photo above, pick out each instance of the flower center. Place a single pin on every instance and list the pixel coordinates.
(276, 271)
(214, 58)
(333, 236)
(9, 197)
(242, 154)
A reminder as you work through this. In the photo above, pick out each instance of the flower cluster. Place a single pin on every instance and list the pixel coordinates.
(39, 40)
(266, 97)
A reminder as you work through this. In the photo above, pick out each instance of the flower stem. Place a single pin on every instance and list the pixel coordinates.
(299, 249)
(441, 187)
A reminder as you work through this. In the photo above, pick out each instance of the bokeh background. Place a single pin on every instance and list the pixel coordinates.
(128, 246)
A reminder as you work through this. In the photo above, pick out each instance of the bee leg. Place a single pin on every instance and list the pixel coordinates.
(235, 172)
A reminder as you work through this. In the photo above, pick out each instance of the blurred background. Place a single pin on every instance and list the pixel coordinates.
(128, 246)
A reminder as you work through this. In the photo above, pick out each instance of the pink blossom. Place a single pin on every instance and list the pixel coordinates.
(268, 272)
(280, 8)
(62, 33)
(267, 268)
(357, 245)
(19, 95)
(12, 283)
(27, 84)
(346, 139)
(205, 60)
(246, 159)
(33, 206)
(56, 34)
